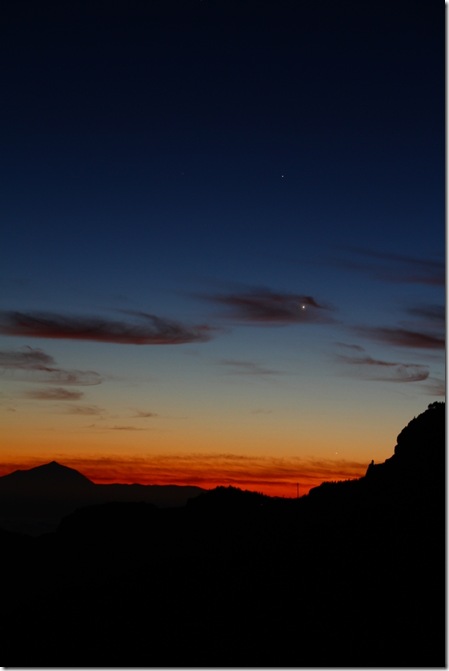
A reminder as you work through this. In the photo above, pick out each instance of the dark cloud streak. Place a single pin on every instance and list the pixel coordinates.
(84, 410)
(143, 414)
(53, 394)
(433, 314)
(402, 337)
(265, 307)
(34, 365)
(238, 367)
(148, 329)
(436, 387)
(385, 371)
(26, 359)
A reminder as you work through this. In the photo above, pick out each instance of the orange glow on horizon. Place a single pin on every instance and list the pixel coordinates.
(270, 476)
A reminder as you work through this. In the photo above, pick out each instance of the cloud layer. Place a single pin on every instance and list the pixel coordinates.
(403, 337)
(139, 329)
(25, 359)
(88, 410)
(53, 394)
(385, 371)
(34, 365)
(238, 367)
(265, 307)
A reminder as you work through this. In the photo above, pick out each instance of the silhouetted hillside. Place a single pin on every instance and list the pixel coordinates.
(35, 500)
(164, 496)
(229, 498)
(414, 474)
(352, 575)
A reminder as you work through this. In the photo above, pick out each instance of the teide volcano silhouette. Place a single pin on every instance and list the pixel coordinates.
(51, 479)
(352, 575)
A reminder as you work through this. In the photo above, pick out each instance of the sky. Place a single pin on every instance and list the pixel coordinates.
(223, 237)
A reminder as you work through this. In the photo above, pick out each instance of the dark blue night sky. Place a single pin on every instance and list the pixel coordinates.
(260, 186)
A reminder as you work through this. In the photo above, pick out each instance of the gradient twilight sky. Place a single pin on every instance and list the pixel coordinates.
(223, 228)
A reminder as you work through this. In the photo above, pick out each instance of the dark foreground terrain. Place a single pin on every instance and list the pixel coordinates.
(351, 575)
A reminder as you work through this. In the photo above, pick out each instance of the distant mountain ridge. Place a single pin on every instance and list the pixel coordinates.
(35, 500)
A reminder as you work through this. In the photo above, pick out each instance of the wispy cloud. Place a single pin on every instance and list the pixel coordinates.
(53, 394)
(433, 315)
(365, 366)
(237, 367)
(402, 337)
(350, 347)
(35, 365)
(145, 414)
(395, 267)
(139, 329)
(427, 329)
(435, 387)
(265, 307)
(66, 377)
(84, 410)
(25, 359)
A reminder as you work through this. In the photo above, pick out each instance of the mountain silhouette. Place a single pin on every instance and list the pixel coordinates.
(35, 500)
(51, 479)
(351, 575)
(418, 449)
